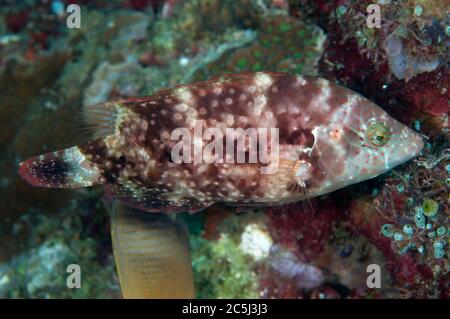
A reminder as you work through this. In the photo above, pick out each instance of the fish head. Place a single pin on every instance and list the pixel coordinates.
(361, 141)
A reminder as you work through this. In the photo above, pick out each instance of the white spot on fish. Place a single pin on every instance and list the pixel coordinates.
(260, 103)
(299, 80)
(217, 90)
(184, 94)
(263, 81)
(181, 107)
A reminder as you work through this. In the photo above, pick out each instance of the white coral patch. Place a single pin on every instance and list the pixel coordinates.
(256, 241)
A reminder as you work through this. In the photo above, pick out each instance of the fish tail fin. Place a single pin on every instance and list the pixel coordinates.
(152, 255)
(68, 168)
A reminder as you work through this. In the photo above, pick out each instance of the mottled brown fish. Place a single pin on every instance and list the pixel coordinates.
(326, 137)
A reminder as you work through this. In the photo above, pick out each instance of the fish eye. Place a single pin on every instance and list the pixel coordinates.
(378, 134)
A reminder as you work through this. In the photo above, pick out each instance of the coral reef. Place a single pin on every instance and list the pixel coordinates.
(407, 219)
(80, 235)
(411, 38)
(301, 45)
(403, 65)
(221, 268)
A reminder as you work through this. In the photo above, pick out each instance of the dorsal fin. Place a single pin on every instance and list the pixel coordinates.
(245, 76)
(102, 118)
(215, 79)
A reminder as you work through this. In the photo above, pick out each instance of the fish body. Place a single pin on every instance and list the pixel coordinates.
(293, 137)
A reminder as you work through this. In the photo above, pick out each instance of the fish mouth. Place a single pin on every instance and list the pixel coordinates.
(417, 144)
(25, 171)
